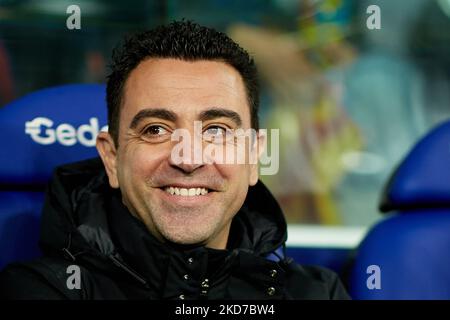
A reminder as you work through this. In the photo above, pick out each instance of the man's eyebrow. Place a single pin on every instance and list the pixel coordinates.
(153, 113)
(220, 113)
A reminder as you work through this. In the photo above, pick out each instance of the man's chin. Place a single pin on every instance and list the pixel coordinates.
(185, 245)
(184, 241)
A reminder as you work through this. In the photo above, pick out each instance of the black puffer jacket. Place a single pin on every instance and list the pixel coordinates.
(85, 224)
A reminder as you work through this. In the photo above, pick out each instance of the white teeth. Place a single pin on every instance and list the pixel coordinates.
(191, 192)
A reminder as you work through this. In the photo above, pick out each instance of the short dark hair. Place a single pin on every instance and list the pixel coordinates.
(183, 40)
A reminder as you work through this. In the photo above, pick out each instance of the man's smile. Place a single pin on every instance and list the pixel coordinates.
(186, 192)
(186, 195)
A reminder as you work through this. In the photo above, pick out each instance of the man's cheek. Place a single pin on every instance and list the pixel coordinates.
(138, 162)
(236, 176)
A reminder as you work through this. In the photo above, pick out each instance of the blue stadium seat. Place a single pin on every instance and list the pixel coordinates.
(410, 249)
(40, 131)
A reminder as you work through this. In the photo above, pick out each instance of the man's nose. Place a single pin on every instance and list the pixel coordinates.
(187, 168)
(187, 154)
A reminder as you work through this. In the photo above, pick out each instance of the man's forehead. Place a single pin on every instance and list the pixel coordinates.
(178, 73)
(185, 88)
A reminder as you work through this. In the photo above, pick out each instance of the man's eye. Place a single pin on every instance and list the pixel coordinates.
(155, 131)
(217, 133)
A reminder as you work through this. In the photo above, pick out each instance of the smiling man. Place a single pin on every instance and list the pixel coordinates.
(187, 202)
(153, 220)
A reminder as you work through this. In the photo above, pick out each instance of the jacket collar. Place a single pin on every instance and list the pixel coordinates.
(85, 216)
(167, 268)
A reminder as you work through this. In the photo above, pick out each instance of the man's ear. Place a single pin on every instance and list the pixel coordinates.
(257, 150)
(107, 150)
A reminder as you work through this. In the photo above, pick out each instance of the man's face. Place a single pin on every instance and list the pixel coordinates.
(161, 96)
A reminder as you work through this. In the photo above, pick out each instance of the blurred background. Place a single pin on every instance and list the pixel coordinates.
(349, 101)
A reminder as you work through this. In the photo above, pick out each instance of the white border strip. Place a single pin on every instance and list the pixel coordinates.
(325, 236)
